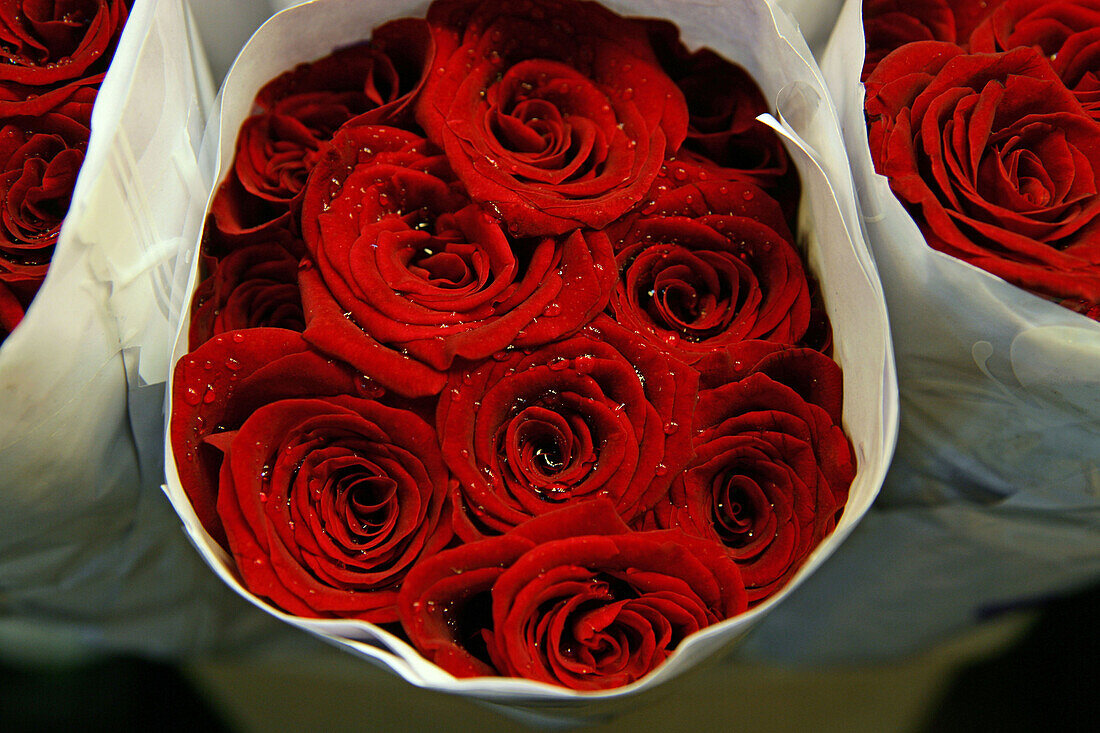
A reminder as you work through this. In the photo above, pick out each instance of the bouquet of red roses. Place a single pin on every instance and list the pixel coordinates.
(974, 141)
(503, 352)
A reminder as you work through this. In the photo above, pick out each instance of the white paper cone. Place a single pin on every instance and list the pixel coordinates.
(764, 40)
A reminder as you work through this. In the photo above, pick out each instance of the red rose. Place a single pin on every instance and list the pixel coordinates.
(600, 414)
(773, 466)
(45, 43)
(723, 103)
(890, 24)
(11, 311)
(709, 264)
(17, 100)
(572, 598)
(1067, 31)
(40, 158)
(325, 499)
(996, 160)
(411, 276)
(554, 114)
(383, 76)
(253, 287)
(300, 111)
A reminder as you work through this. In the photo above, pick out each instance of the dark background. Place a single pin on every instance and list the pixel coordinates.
(1031, 669)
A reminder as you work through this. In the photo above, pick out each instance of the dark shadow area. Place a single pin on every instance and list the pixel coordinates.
(122, 694)
(1046, 681)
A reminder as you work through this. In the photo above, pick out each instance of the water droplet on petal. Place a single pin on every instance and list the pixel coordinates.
(192, 396)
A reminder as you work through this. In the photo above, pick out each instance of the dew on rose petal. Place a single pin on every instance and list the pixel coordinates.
(500, 356)
(209, 396)
(232, 364)
(192, 396)
(552, 310)
(671, 427)
(558, 363)
(238, 337)
(661, 469)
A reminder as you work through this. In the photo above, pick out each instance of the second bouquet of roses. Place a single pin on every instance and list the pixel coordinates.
(517, 344)
(971, 130)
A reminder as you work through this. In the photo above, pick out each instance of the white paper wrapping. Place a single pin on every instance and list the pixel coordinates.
(765, 41)
(90, 557)
(993, 499)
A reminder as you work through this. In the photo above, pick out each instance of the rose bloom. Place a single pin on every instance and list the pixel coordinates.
(48, 43)
(410, 276)
(723, 102)
(572, 598)
(773, 465)
(996, 160)
(11, 311)
(324, 494)
(554, 114)
(255, 286)
(298, 113)
(889, 24)
(1067, 31)
(40, 158)
(707, 264)
(598, 415)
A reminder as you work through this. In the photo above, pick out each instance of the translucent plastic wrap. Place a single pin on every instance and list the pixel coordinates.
(90, 556)
(993, 499)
